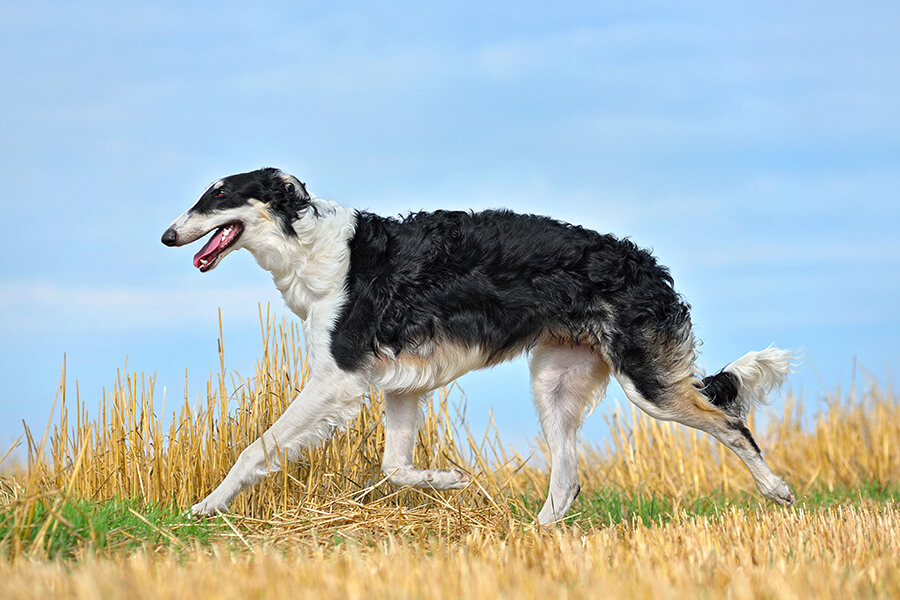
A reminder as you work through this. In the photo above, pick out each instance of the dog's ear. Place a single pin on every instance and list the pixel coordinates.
(294, 188)
(288, 198)
(297, 188)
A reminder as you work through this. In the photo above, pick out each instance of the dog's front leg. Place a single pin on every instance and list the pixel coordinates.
(322, 405)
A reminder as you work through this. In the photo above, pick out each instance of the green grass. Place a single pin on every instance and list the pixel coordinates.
(122, 526)
(102, 528)
(609, 507)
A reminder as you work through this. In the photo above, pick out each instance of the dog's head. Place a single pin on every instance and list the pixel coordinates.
(244, 210)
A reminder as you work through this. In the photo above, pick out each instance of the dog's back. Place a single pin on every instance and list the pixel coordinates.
(502, 282)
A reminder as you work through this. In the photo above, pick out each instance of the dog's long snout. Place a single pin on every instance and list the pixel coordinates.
(169, 238)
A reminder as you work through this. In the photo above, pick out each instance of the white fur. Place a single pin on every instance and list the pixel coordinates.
(564, 379)
(426, 367)
(401, 423)
(309, 269)
(327, 401)
(758, 373)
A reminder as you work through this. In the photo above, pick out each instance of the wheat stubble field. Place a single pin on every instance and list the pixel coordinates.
(96, 509)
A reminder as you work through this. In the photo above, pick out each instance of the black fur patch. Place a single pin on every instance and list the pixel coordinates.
(285, 200)
(742, 429)
(721, 389)
(501, 281)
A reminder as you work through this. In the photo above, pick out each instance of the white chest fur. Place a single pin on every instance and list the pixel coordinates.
(310, 269)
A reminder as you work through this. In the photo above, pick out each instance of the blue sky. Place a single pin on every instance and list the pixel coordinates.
(754, 148)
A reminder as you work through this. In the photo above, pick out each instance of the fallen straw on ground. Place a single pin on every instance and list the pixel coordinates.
(97, 509)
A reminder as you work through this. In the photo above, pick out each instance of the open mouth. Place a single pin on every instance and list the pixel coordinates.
(223, 238)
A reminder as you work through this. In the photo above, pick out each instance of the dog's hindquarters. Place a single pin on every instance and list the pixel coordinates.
(644, 332)
(662, 379)
(636, 326)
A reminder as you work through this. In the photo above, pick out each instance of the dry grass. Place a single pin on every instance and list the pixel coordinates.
(834, 553)
(333, 527)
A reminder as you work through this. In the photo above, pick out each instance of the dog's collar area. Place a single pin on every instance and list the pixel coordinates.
(220, 241)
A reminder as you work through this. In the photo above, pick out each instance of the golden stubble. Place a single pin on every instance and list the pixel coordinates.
(333, 527)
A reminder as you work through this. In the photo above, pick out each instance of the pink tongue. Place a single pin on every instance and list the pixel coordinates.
(212, 247)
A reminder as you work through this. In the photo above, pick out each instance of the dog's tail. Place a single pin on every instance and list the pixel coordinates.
(746, 382)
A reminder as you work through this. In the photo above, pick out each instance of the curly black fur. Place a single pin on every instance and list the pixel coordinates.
(501, 281)
(721, 389)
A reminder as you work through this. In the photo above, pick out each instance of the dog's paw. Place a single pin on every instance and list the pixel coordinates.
(779, 493)
(447, 480)
(463, 479)
(207, 508)
(429, 478)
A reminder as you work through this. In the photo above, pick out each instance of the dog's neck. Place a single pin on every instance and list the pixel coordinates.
(312, 265)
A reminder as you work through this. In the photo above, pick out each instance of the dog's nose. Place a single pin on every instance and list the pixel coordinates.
(169, 237)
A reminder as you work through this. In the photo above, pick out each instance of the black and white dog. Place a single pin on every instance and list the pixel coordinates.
(410, 305)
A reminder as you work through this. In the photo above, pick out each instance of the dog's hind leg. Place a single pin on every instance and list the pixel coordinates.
(401, 423)
(564, 378)
(321, 406)
(718, 405)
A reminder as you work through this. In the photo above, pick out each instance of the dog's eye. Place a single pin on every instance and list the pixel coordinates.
(219, 194)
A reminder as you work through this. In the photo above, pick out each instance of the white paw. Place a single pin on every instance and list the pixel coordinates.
(553, 510)
(550, 515)
(208, 507)
(779, 493)
(447, 480)
(458, 479)
(437, 480)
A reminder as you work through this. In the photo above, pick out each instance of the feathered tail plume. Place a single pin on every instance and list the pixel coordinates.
(746, 382)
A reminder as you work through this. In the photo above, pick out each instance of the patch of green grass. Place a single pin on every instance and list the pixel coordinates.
(68, 530)
(876, 491)
(607, 507)
(100, 527)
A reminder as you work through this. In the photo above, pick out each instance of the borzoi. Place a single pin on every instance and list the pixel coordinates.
(411, 304)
